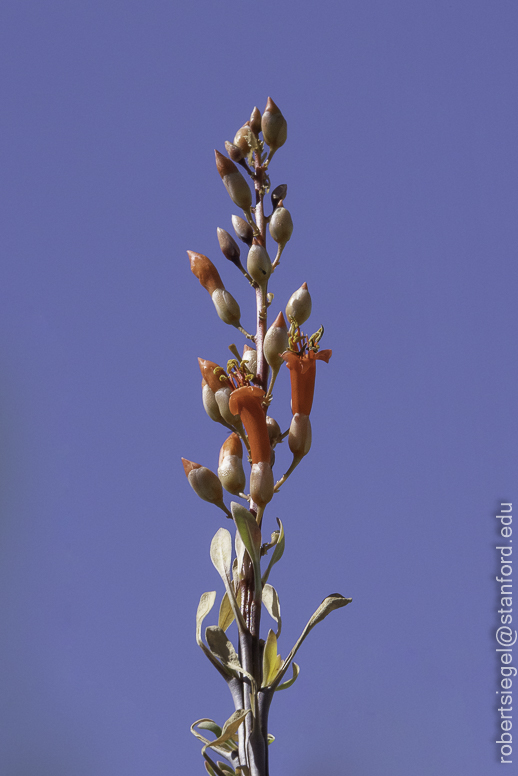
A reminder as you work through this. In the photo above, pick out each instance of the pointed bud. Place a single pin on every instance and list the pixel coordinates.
(299, 438)
(258, 264)
(274, 126)
(255, 121)
(243, 139)
(230, 468)
(298, 308)
(234, 152)
(261, 483)
(250, 359)
(235, 184)
(213, 374)
(276, 342)
(203, 268)
(204, 483)
(243, 230)
(226, 307)
(281, 225)
(279, 193)
(229, 247)
(274, 431)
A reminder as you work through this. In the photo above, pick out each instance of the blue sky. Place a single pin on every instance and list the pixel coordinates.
(401, 165)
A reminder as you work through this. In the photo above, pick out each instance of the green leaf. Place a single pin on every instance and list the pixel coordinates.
(209, 724)
(240, 550)
(225, 749)
(220, 646)
(209, 769)
(277, 553)
(271, 739)
(334, 601)
(221, 556)
(273, 607)
(289, 682)
(271, 660)
(226, 769)
(204, 607)
(226, 615)
(250, 534)
(229, 728)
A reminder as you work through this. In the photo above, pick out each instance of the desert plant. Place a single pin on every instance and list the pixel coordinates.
(239, 397)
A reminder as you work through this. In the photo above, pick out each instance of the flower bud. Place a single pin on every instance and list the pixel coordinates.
(274, 126)
(226, 307)
(258, 264)
(274, 431)
(255, 121)
(203, 268)
(250, 359)
(281, 225)
(276, 342)
(261, 483)
(213, 374)
(204, 483)
(279, 193)
(229, 247)
(298, 308)
(299, 438)
(234, 152)
(243, 230)
(243, 140)
(210, 404)
(235, 184)
(230, 468)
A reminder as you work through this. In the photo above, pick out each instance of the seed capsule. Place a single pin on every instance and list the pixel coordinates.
(298, 308)
(281, 225)
(230, 468)
(258, 264)
(274, 127)
(299, 438)
(226, 307)
(210, 404)
(204, 483)
(243, 230)
(276, 342)
(235, 184)
(261, 483)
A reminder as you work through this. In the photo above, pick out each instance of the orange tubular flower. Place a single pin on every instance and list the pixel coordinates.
(303, 370)
(247, 403)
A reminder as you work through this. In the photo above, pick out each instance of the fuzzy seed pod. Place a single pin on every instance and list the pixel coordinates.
(203, 268)
(261, 483)
(276, 342)
(230, 468)
(274, 126)
(243, 230)
(299, 438)
(204, 483)
(234, 152)
(258, 264)
(226, 307)
(229, 247)
(250, 359)
(278, 194)
(274, 431)
(255, 121)
(298, 308)
(235, 184)
(281, 225)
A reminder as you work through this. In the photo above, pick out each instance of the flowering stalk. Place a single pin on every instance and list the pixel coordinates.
(238, 397)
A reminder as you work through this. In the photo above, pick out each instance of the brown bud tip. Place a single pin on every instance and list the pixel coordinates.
(255, 121)
(189, 466)
(207, 372)
(246, 348)
(229, 247)
(243, 230)
(224, 165)
(235, 153)
(279, 322)
(231, 446)
(279, 194)
(271, 107)
(203, 268)
(305, 286)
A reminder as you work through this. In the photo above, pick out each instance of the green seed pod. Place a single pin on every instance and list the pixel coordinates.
(243, 230)
(235, 184)
(281, 225)
(274, 126)
(258, 264)
(298, 308)
(276, 342)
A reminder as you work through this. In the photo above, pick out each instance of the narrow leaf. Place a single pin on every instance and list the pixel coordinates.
(273, 607)
(229, 728)
(240, 550)
(277, 553)
(226, 769)
(289, 682)
(221, 553)
(209, 724)
(226, 615)
(270, 659)
(204, 607)
(250, 534)
(225, 749)
(220, 646)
